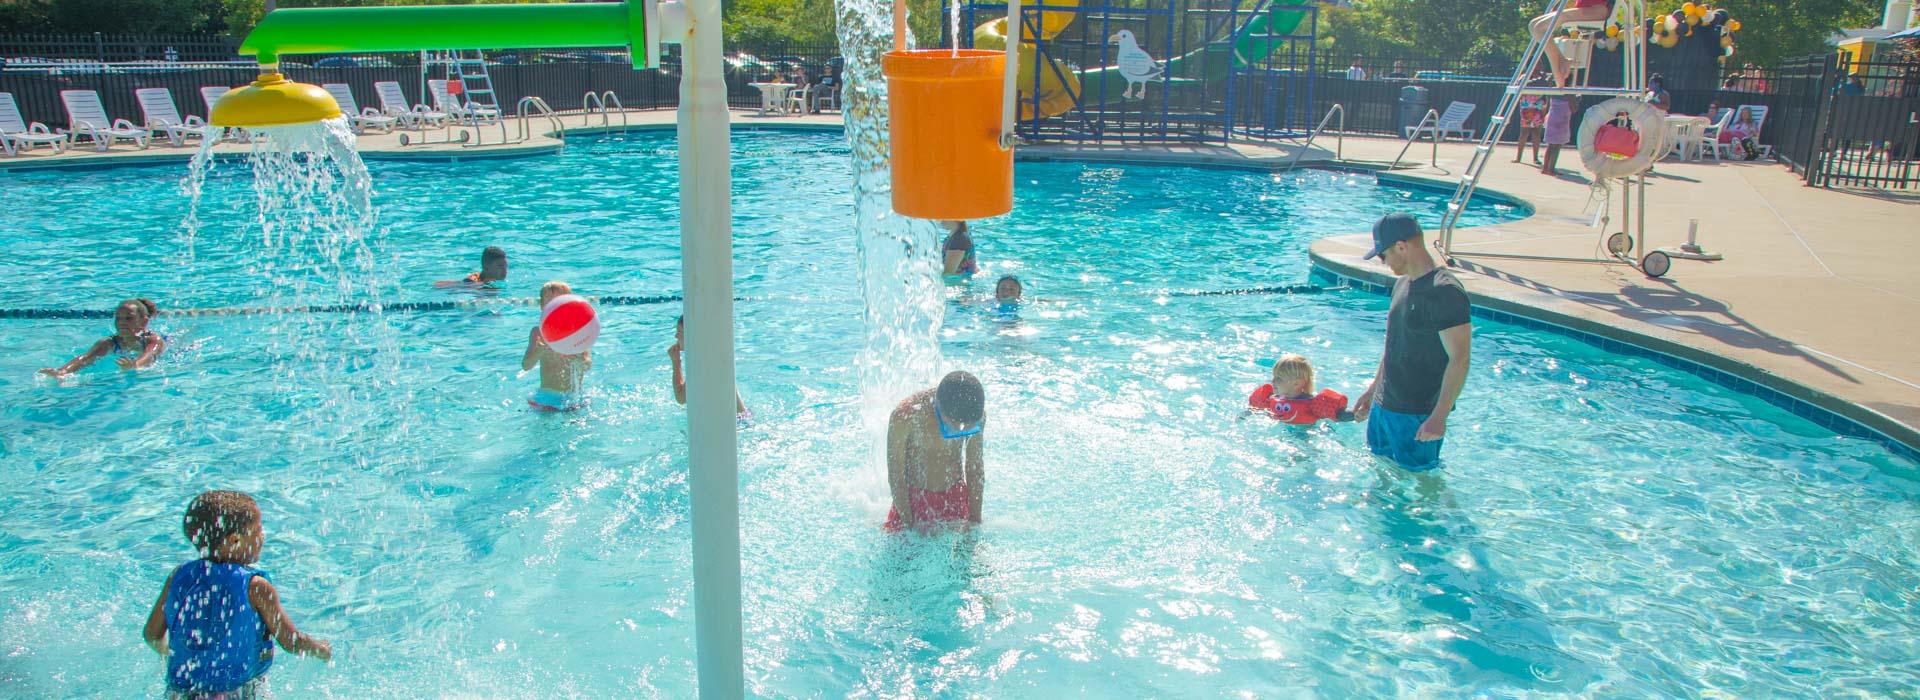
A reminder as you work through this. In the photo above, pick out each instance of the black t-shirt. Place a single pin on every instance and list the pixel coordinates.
(1416, 361)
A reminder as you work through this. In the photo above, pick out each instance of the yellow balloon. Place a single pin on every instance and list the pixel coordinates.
(1613, 31)
(1726, 40)
(1668, 41)
(1733, 25)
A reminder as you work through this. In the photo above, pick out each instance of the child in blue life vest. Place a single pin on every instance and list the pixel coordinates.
(218, 617)
(1290, 397)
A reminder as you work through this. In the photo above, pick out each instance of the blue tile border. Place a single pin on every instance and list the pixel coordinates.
(1834, 416)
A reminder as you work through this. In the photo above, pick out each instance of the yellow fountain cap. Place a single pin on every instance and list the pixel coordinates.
(273, 100)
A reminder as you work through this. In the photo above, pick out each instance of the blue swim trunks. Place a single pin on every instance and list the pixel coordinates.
(1390, 435)
(550, 400)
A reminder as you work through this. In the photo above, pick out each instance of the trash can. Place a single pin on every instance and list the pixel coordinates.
(1413, 106)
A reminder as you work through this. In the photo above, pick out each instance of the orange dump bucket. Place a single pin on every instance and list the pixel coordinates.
(944, 117)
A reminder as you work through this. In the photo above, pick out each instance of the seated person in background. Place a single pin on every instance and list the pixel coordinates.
(1741, 134)
(935, 456)
(136, 345)
(1657, 93)
(493, 268)
(1290, 397)
(958, 251)
(680, 375)
(560, 375)
(1008, 290)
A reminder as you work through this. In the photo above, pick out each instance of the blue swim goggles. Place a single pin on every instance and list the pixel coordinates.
(953, 434)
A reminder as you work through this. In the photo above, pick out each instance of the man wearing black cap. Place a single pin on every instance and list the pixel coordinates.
(1429, 341)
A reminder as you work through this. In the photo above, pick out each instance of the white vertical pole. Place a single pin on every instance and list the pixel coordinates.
(1010, 90)
(706, 268)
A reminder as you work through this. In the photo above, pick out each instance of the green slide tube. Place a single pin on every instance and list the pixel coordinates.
(1208, 63)
(422, 27)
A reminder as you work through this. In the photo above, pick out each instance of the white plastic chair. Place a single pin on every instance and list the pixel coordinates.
(1710, 136)
(17, 135)
(393, 102)
(829, 98)
(86, 117)
(211, 94)
(461, 110)
(1452, 121)
(163, 117)
(797, 100)
(361, 119)
(1759, 125)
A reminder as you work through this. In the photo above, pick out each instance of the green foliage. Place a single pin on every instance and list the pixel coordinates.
(1771, 29)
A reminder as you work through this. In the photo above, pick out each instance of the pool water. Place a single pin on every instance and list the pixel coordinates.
(1604, 525)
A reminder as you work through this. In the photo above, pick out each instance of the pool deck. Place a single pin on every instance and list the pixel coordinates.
(1809, 302)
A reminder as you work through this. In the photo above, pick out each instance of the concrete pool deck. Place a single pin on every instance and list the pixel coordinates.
(1813, 299)
(1809, 303)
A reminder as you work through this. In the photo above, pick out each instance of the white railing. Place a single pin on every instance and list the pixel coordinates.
(603, 104)
(530, 107)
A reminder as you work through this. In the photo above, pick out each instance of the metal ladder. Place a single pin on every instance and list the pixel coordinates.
(470, 68)
(1633, 83)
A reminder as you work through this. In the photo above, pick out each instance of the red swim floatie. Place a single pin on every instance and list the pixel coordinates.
(1327, 405)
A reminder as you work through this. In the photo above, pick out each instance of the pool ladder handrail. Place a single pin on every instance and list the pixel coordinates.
(532, 105)
(1339, 135)
(1432, 117)
(590, 101)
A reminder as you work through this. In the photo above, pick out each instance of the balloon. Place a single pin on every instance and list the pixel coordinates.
(1672, 23)
(1733, 25)
(1613, 31)
(1668, 41)
(1720, 18)
(569, 325)
(1729, 51)
(1726, 40)
(1686, 9)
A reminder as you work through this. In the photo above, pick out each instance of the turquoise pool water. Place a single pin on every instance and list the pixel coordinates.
(1605, 526)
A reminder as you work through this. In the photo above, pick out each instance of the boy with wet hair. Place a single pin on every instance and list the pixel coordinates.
(936, 462)
(493, 269)
(218, 617)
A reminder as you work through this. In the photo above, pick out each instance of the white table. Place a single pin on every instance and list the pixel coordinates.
(773, 97)
(1684, 131)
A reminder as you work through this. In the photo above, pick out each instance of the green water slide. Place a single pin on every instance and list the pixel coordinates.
(1265, 34)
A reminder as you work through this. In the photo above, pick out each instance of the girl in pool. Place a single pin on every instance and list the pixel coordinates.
(958, 251)
(218, 617)
(1290, 397)
(1007, 291)
(136, 345)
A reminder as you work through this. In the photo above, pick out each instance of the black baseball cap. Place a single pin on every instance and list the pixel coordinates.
(1391, 229)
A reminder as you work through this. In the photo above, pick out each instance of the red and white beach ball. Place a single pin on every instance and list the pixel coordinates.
(569, 325)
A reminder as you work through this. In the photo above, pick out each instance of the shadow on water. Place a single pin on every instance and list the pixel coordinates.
(1496, 637)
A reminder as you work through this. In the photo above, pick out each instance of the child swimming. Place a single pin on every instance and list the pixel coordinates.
(1008, 290)
(137, 346)
(1290, 397)
(218, 617)
(560, 375)
(493, 270)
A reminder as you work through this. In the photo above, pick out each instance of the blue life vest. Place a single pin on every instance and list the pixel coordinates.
(216, 642)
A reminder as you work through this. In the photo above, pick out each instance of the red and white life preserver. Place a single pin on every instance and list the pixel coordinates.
(1326, 405)
(1621, 138)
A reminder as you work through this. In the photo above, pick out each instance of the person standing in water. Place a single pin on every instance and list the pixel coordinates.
(936, 465)
(138, 347)
(957, 252)
(560, 375)
(1429, 342)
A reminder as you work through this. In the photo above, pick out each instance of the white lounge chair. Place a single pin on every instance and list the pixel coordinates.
(17, 135)
(163, 117)
(211, 94)
(1759, 125)
(461, 110)
(393, 103)
(87, 118)
(361, 119)
(1452, 121)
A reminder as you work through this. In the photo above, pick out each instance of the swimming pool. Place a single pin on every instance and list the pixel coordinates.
(1605, 525)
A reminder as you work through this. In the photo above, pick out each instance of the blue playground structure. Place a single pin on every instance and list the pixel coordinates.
(1156, 71)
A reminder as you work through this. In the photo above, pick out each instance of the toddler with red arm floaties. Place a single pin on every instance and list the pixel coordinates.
(1290, 397)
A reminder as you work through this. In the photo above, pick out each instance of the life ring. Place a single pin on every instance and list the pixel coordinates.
(1621, 138)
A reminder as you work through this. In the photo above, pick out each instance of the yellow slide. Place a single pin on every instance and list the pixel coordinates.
(1056, 94)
